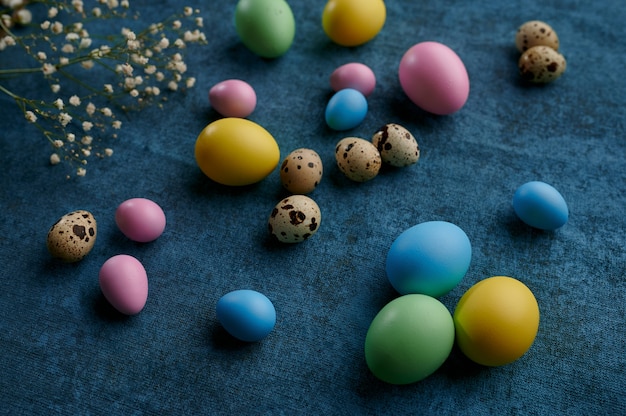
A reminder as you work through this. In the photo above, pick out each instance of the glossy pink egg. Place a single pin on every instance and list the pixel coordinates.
(233, 98)
(140, 219)
(354, 75)
(124, 283)
(434, 78)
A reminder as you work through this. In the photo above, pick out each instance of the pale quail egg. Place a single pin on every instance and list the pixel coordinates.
(357, 158)
(541, 64)
(301, 171)
(536, 33)
(73, 236)
(294, 219)
(396, 145)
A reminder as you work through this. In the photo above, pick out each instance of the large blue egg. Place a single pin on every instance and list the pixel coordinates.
(540, 205)
(346, 109)
(430, 258)
(246, 314)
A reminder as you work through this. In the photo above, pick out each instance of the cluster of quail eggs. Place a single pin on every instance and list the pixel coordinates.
(297, 217)
(540, 62)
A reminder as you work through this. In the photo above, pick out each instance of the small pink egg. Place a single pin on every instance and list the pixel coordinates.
(140, 219)
(233, 98)
(434, 78)
(124, 283)
(353, 75)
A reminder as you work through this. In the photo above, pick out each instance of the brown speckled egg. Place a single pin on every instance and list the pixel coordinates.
(301, 171)
(536, 33)
(72, 237)
(541, 64)
(294, 219)
(357, 158)
(396, 145)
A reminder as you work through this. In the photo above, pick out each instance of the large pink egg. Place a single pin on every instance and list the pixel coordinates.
(233, 98)
(434, 78)
(124, 283)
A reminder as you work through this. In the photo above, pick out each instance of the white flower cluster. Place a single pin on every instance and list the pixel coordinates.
(136, 66)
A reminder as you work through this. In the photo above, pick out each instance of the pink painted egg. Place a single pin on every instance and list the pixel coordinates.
(140, 219)
(233, 98)
(434, 78)
(124, 283)
(354, 75)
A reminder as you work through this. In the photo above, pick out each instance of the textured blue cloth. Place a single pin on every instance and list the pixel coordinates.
(65, 351)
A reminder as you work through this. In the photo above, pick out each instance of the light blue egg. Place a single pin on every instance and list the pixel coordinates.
(346, 109)
(430, 258)
(246, 314)
(540, 205)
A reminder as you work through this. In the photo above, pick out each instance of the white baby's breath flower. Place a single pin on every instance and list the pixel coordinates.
(125, 4)
(72, 36)
(150, 69)
(86, 152)
(48, 69)
(108, 88)
(126, 69)
(64, 60)
(58, 103)
(87, 126)
(64, 119)
(85, 43)
(106, 111)
(179, 43)
(164, 43)
(52, 12)
(23, 16)
(55, 159)
(117, 124)
(75, 100)
(87, 64)
(57, 28)
(42, 56)
(45, 25)
(30, 116)
(81, 172)
(191, 81)
(160, 76)
(133, 93)
(199, 22)
(68, 48)
(90, 108)
(86, 140)
(96, 11)
(78, 5)
(55, 87)
(58, 143)
(70, 137)
(108, 151)
(187, 11)
(173, 86)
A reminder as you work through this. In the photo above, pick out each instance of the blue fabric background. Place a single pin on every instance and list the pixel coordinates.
(65, 351)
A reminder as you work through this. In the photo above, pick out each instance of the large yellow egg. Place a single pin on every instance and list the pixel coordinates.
(236, 152)
(496, 321)
(353, 22)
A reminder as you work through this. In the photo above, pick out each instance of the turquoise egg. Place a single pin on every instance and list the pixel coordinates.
(346, 109)
(429, 258)
(540, 205)
(246, 314)
(409, 339)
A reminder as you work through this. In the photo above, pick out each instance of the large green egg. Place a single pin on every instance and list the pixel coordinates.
(266, 27)
(409, 339)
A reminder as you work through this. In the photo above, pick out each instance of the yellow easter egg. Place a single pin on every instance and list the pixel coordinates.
(353, 22)
(236, 152)
(496, 321)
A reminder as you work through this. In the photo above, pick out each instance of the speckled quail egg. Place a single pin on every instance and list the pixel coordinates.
(396, 145)
(73, 236)
(295, 219)
(541, 64)
(301, 171)
(536, 33)
(357, 158)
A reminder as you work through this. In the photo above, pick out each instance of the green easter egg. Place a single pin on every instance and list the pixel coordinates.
(266, 27)
(409, 339)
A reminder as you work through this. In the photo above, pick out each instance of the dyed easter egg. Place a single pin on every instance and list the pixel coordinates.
(429, 258)
(266, 27)
(540, 205)
(353, 75)
(496, 321)
(233, 98)
(236, 152)
(140, 219)
(433, 76)
(246, 314)
(409, 339)
(124, 283)
(353, 22)
(346, 109)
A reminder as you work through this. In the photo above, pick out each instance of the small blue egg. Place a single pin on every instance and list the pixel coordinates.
(346, 109)
(246, 314)
(540, 205)
(429, 258)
